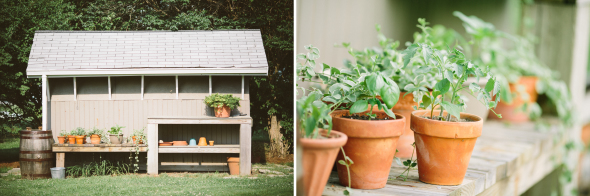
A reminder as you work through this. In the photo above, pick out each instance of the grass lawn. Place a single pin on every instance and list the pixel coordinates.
(165, 184)
(9, 150)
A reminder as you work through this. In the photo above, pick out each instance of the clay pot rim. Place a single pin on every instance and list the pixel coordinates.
(79, 136)
(446, 129)
(336, 140)
(61, 136)
(233, 159)
(398, 117)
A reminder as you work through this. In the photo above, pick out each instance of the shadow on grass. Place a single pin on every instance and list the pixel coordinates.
(9, 150)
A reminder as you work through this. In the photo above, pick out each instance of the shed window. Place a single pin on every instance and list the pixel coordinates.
(126, 88)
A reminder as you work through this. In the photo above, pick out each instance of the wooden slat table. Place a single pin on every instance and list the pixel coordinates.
(506, 160)
(244, 148)
(61, 149)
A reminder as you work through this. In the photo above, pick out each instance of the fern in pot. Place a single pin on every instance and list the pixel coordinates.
(372, 133)
(444, 135)
(222, 104)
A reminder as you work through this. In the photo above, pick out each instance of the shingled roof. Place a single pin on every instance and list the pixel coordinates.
(79, 53)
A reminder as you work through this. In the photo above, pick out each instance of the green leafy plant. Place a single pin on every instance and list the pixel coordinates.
(101, 133)
(218, 100)
(63, 133)
(116, 130)
(139, 135)
(453, 69)
(78, 131)
(101, 168)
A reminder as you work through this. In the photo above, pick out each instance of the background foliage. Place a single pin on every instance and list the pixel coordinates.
(20, 97)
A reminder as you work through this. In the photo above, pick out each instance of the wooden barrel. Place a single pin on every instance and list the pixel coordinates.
(36, 156)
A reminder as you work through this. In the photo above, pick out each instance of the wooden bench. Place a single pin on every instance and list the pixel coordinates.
(243, 148)
(506, 160)
(61, 149)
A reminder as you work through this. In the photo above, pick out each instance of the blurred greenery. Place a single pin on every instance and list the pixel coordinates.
(9, 150)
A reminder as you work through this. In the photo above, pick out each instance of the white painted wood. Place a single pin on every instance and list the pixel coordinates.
(98, 149)
(210, 86)
(200, 149)
(150, 72)
(579, 54)
(199, 120)
(152, 154)
(242, 87)
(142, 88)
(75, 90)
(48, 91)
(110, 95)
(44, 101)
(176, 86)
(245, 149)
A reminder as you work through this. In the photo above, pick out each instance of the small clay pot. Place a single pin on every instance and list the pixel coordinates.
(444, 148)
(211, 143)
(316, 154)
(509, 110)
(202, 141)
(222, 112)
(79, 139)
(179, 143)
(371, 145)
(133, 138)
(234, 165)
(71, 139)
(94, 139)
(61, 139)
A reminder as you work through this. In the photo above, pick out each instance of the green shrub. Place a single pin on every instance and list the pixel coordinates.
(218, 100)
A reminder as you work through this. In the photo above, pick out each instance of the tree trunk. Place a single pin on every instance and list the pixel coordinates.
(278, 147)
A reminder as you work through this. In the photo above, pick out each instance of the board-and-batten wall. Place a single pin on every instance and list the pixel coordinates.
(92, 107)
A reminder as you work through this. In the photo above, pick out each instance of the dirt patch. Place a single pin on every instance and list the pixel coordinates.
(12, 164)
(278, 160)
(364, 117)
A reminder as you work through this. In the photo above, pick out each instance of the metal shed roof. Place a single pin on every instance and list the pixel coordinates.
(96, 53)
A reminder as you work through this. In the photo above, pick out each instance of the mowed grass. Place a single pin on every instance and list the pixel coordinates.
(186, 184)
(9, 150)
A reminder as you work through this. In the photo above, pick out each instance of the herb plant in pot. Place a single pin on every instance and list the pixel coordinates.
(445, 137)
(80, 134)
(372, 135)
(71, 137)
(320, 145)
(116, 135)
(96, 135)
(222, 104)
(62, 137)
(138, 137)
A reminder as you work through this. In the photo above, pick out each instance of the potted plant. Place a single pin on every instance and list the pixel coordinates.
(80, 134)
(138, 137)
(444, 138)
(115, 134)
(62, 137)
(96, 135)
(222, 104)
(319, 142)
(71, 138)
(352, 92)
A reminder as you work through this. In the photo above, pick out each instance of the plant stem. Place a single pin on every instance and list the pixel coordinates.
(347, 167)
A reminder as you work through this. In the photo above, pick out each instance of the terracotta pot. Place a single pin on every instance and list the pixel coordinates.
(79, 139)
(405, 107)
(316, 154)
(166, 144)
(71, 139)
(84, 139)
(61, 139)
(234, 165)
(508, 111)
(133, 138)
(371, 145)
(222, 112)
(202, 141)
(116, 139)
(211, 143)
(94, 139)
(444, 148)
(179, 143)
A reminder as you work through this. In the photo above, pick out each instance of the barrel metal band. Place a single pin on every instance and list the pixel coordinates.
(36, 160)
(35, 152)
(25, 137)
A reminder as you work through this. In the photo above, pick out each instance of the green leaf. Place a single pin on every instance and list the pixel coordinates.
(406, 163)
(390, 95)
(326, 66)
(359, 106)
(325, 79)
(389, 112)
(409, 53)
(443, 86)
(426, 100)
(490, 85)
(452, 109)
(342, 162)
(398, 161)
(310, 125)
(413, 164)
(449, 75)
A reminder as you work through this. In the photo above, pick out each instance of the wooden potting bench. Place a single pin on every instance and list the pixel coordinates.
(61, 149)
(243, 148)
(506, 160)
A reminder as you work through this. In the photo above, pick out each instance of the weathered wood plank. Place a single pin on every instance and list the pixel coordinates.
(152, 134)
(245, 149)
(200, 149)
(60, 159)
(98, 149)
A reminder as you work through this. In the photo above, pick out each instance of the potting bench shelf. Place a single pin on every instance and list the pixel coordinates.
(61, 149)
(506, 160)
(243, 148)
(220, 148)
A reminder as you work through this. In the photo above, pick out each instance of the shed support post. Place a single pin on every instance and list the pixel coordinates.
(110, 87)
(242, 87)
(210, 89)
(44, 101)
(48, 91)
(245, 149)
(152, 153)
(176, 86)
(60, 158)
(75, 91)
(141, 87)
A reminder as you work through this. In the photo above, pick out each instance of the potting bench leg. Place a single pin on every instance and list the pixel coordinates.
(152, 154)
(60, 159)
(245, 146)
